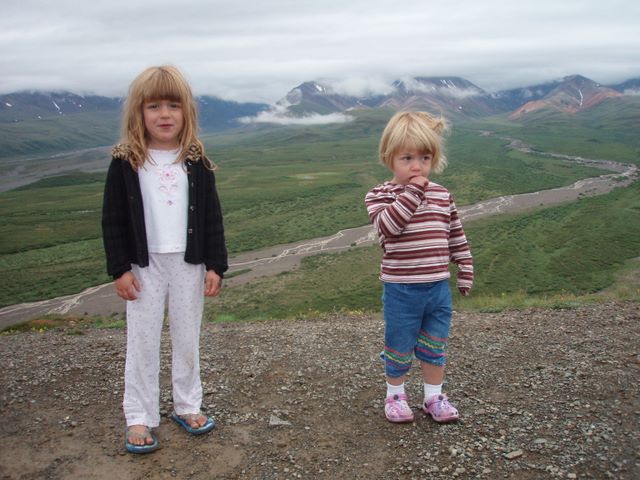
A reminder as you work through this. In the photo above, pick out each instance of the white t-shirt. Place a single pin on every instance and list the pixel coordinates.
(165, 196)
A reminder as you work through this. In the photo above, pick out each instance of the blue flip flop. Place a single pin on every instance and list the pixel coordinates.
(207, 427)
(146, 448)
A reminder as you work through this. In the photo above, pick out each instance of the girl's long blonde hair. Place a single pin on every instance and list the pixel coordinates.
(159, 83)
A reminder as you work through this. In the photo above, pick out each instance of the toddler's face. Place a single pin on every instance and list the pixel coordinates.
(408, 163)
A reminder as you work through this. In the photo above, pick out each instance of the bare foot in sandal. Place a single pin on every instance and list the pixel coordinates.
(139, 435)
(140, 439)
(194, 423)
(195, 420)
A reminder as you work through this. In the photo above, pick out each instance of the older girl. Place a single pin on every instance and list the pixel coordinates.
(163, 237)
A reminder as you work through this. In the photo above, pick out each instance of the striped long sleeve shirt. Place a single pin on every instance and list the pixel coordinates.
(420, 234)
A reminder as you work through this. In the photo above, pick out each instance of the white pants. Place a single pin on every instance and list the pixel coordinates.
(167, 275)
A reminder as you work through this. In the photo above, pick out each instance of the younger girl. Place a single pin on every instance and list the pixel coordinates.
(420, 233)
(163, 238)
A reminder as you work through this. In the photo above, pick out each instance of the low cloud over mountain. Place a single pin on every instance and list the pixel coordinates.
(320, 102)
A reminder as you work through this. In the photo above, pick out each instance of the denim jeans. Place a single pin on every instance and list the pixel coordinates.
(417, 318)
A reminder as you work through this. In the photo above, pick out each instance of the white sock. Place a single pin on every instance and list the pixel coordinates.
(394, 389)
(431, 390)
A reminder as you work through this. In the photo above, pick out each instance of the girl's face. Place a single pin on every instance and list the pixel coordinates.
(408, 163)
(163, 122)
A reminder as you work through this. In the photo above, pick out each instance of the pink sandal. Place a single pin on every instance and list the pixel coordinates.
(397, 410)
(440, 409)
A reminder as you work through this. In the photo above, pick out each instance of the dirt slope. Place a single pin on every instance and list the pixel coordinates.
(543, 394)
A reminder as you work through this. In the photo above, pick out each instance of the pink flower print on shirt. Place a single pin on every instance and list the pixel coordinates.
(167, 177)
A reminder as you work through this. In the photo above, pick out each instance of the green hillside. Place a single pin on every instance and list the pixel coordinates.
(57, 134)
(608, 130)
(281, 185)
(550, 256)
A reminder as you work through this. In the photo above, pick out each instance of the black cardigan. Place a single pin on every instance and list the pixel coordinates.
(123, 227)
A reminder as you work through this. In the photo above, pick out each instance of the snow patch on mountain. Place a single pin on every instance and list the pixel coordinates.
(441, 86)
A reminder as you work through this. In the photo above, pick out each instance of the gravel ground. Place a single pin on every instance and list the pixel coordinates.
(542, 394)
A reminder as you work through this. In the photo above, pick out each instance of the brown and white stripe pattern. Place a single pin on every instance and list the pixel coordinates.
(420, 233)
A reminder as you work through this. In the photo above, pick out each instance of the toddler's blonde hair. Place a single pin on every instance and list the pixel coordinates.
(419, 130)
(158, 83)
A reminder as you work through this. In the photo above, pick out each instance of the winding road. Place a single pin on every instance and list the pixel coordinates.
(102, 300)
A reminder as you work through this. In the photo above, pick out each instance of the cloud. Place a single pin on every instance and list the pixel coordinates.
(359, 86)
(278, 115)
(257, 51)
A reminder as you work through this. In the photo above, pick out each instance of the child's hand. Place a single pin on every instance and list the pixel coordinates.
(419, 179)
(464, 291)
(127, 286)
(212, 283)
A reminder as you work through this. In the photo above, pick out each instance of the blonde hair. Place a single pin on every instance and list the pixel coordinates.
(159, 83)
(419, 130)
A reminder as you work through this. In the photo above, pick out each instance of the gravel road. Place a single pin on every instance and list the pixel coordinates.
(542, 394)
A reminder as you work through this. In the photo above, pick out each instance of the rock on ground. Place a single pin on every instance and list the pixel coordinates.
(542, 394)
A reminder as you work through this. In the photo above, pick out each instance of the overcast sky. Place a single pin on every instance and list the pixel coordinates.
(258, 50)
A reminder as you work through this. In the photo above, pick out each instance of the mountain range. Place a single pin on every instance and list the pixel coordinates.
(214, 113)
(461, 98)
(452, 96)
